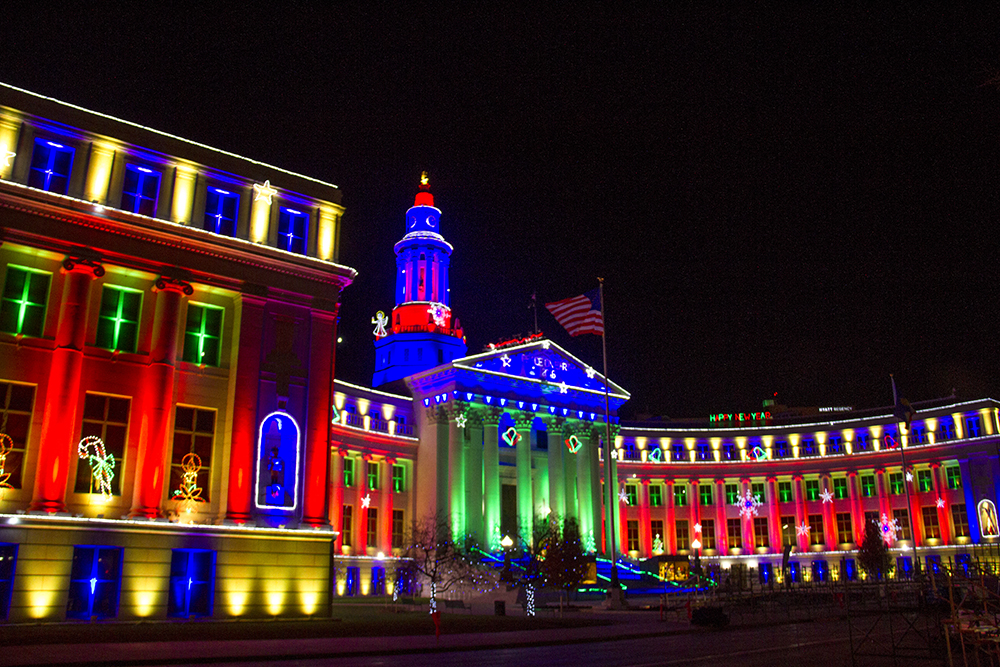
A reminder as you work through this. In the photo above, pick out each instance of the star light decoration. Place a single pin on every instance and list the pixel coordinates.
(622, 496)
(380, 320)
(563, 387)
(940, 502)
(889, 529)
(697, 527)
(748, 505)
(826, 495)
(366, 501)
(506, 361)
(460, 421)
(264, 191)
(802, 530)
(545, 344)
(590, 372)
(102, 465)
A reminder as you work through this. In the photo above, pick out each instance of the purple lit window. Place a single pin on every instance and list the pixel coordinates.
(51, 163)
(292, 226)
(221, 207)
(142, 187)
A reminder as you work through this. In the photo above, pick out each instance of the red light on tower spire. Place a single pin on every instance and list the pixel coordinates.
(424, 196)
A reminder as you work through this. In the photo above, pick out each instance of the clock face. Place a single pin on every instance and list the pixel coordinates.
(419, 221)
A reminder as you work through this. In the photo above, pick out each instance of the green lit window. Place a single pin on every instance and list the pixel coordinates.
(25, 294)
(954, 476)
(655, 495)
(632, 499)
(348, 472)
(812, 489)
(924, 481)
(732, 494)
(373, 475)
(398, 478)
(705, 494)
(840, 488)
(118, 323)
(896, 483)
(785, 492)
(680, 495)
(203, 334)
(868, 486)
(757, 489)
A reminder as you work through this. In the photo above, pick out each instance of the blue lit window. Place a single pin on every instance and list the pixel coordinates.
(50, 166)
(378, 580)
(142, 187)
(192, 581)
(353, 581)
(292, 226)
(8, 557)
(221, 207)
(973, 425)
(94, 582)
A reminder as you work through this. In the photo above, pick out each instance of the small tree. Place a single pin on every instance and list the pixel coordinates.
(562, 563)
(435, 556)
(873, 554)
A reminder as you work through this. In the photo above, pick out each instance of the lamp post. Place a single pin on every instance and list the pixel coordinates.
(506, 543)
(696, 545)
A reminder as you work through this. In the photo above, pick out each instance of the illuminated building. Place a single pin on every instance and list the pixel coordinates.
(174, 442)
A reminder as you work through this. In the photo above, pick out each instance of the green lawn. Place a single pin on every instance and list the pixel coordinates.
(349, 620)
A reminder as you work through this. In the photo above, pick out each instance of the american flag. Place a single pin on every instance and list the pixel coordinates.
(580, 314)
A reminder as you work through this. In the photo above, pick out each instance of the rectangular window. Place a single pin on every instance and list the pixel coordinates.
(844, 532)
(632, 532)
(680, 495)
(761, 537)
(221, 209)
(22, 308)
(896, 483)
(677, 453)
(840, 488)
(946, 429)
(348, 472)
(902, 517)
(973, 426)
(812, 489)
(868, 486)
(808, 447)
(960, 520)
(194, 433)
(51, 164)
(104, 417)
(655, 495)
(16, 401)
(292, 227)
(861, 442)
(707, 534)
(683, 537)
(954, 477)
(704, 453)
(630, 496)
(932, 529)
(656, 530)
(834, 445)
(397, 529)
(871, 517)
(788, 531)
(372, 469)
(346, 524)
(924, 481)
(729, 451)
(757, 489)
(398, 478)
(372, 528)
(732, 494)
(118, 323)
(735, 533)
(781, 449)
(203, 334)
(785, 491)
(141, 188)
(815, 529)
(705, 494)
(8, 561)
(94, 581)
(192, 583)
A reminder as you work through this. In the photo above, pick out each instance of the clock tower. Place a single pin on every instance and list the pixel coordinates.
(422, 331)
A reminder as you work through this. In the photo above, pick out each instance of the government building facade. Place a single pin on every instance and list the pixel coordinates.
(174, 441)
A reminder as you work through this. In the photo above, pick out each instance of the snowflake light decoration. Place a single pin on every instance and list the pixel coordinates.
(380, 320)
(622, 496)
(826, 496)
(940, 502)
(511, 436)
(889, 529)
(545, 344)
(366, 501)
(506, 361)
(102, 465)
(573, 444)
(802, 530)
(439, 312)
(748, 505)
(460, 421)
(6, 445)
(190, 492)
(909, 476)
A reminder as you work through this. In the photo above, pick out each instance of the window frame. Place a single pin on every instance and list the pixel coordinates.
(23, 304)
(200, 335)
(113, 585)
(218, 215)
(185, 611)
(118, 319)
(142, 174)
(288, 218)
(54, 149)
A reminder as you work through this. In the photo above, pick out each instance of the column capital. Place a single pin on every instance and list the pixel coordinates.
(852, 473)
(366, 455)
(771, 479)
(935, 465)
(880, 470)
(797, 477)
(644, 480)
(490, 416)
(82, 265)
(719, 480)
(523, 420)
(171, 284)
(390, 459)
(744, 480)
(435, 415)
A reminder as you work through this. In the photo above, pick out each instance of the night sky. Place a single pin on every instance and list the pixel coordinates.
(798, 201)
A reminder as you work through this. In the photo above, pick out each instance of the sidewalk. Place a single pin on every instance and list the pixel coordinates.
(625, 625)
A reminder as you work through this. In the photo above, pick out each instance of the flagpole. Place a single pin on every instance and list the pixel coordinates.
(906, 484)
(610, 491)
